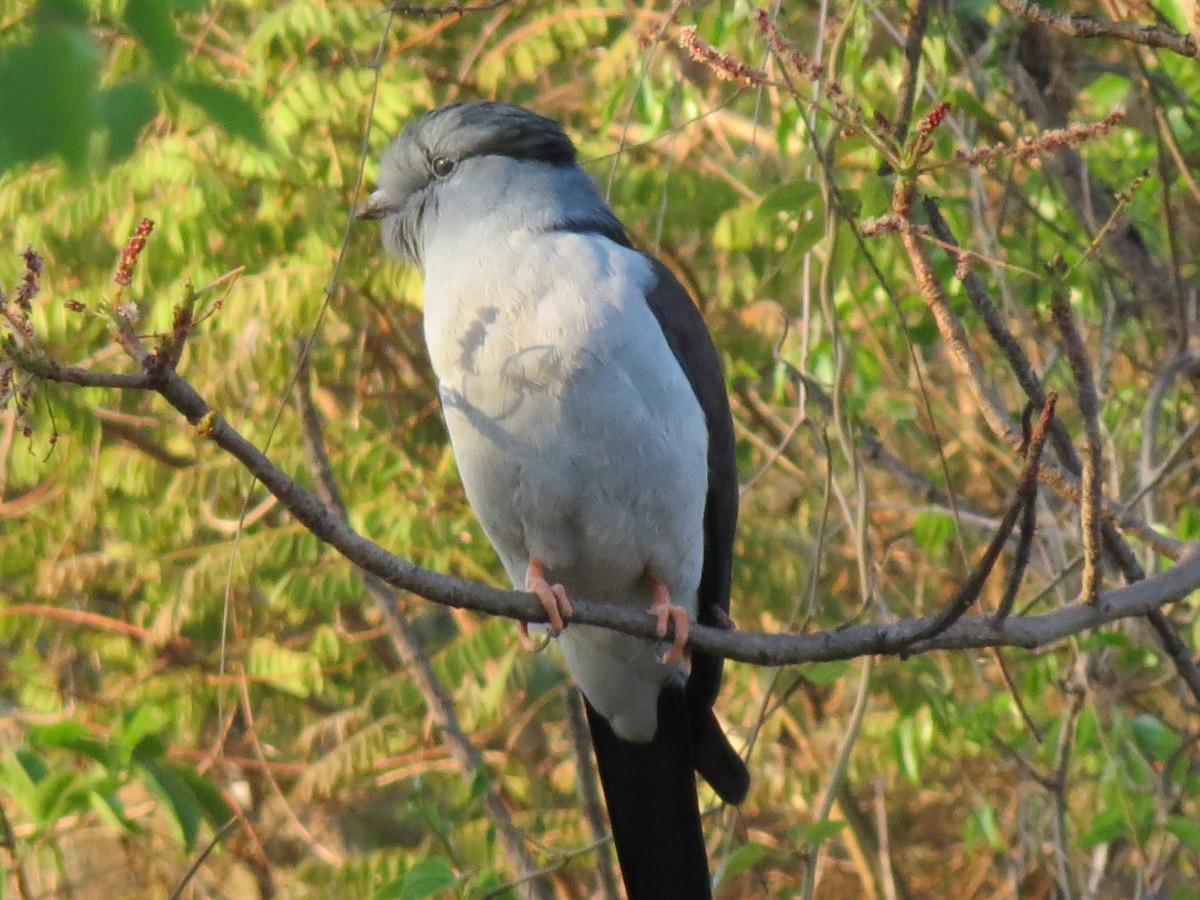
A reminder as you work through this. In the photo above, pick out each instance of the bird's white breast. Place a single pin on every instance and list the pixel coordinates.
(578, 437)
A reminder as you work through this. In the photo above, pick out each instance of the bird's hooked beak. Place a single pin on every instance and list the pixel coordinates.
(378, 205)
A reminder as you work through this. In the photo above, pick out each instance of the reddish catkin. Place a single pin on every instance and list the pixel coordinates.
(30, 279)
(726, 67)
(785, 49)
(933, 119)
(1028, 147)
(133, 249)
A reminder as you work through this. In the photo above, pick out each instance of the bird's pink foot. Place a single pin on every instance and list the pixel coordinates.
(552, 596)
(665, 611)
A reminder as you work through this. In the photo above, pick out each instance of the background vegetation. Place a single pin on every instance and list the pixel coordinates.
(184, 668)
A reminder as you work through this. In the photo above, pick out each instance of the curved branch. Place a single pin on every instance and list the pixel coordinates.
(894, 638)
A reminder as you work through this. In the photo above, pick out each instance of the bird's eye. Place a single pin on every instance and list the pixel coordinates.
(442, 166)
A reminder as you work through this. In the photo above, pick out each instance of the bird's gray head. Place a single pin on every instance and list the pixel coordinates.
(479, 166)
(443, 149)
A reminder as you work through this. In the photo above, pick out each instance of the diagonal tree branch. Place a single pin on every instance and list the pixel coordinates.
(1081, 25)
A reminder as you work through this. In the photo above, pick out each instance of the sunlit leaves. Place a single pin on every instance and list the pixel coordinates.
(173, 585)
(68, 107)
(48, 784)
(295, 672)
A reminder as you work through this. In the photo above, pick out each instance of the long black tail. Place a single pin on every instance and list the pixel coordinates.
(650, 790)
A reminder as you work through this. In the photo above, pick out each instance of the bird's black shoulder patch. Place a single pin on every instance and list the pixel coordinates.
(607, 226)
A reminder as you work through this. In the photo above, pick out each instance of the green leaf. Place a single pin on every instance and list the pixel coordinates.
(71, 735)
(826, 672)
(743, 859)
(1106, 826)
(33, 764)
(792, 199)
(1186, 829)
(821, 831)
(1154, 738)
(61, 793)
(61, 12)
(904, 745)
(965, 101)
(425, 879)
(1108, 91)
(1188, 525)
(141, 731)
(288, 670)
(178, 798)
(18, 782)
(110, 809)
(1175, 14)
(151, 21)
(215, 808)
(924, 332)
(984, 819)
(124, 110)
(806, 235)
(46, 86)
(235, 114)
(933, 530)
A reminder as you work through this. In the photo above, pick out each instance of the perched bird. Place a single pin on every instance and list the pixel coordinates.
(588, 414)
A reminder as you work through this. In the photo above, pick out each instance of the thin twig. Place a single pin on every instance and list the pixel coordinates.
(1062, 760)
(223, 832)
(912, 64)
(968, 592)
(8, 841)
(589, 793)
(969, 368)
(326, 854)
(1006, 675)
(837, 772)
(1089, 408)
(1029, 496)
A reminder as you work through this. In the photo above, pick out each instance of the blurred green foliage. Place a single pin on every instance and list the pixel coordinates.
(174, 646)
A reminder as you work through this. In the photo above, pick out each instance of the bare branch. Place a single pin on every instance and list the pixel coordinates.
(51, 371)
(448, 9)
(1081, 25)
(1028, 516)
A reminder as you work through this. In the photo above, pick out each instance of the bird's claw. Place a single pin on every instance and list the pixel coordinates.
(553, 598)
(665, 611)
